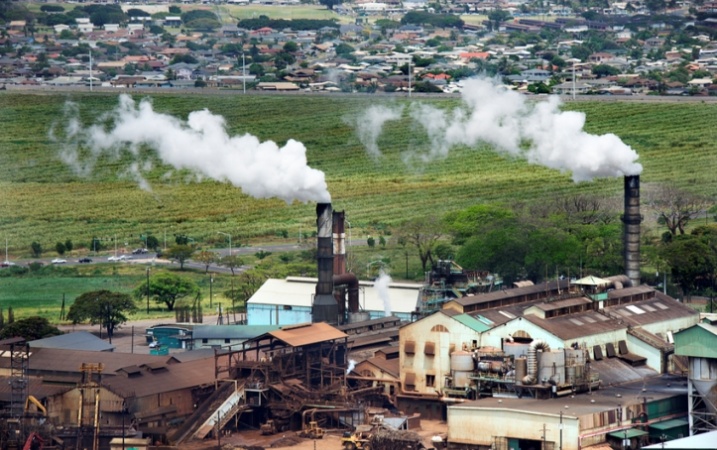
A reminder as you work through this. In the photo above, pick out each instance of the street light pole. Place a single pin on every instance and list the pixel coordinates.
(147, 290)
(243, 70)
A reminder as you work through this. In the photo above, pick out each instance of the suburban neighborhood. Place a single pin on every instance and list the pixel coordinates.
(597, 48)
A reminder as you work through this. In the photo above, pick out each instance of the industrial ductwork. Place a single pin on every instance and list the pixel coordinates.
(537, 344)
(325, 308)
(631, 220)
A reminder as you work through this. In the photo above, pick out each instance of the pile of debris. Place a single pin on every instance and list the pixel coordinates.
(389, 439)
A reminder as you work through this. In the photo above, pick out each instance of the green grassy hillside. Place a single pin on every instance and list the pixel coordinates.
(42, 200)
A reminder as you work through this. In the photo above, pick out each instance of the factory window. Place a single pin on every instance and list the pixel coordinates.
(429, 349)
(205, 340)
(440, 328)
(430, 380)
(227, 341)
(409, 347)
(410, 381)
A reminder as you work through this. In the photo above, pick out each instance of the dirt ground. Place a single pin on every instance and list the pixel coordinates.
(130, 339)
(290, 441)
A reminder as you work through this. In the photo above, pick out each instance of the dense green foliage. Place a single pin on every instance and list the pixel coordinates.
(436, 20)
(280, 24)
(30, 328)
(109, 309)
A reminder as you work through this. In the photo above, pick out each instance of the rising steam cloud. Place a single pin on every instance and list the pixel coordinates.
(537, 131)
(382, 286)
(370, 124)
(200, 144)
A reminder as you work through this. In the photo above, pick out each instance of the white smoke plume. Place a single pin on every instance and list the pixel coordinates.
(537, 131)
(382, 285)
(370, 124)
(200, 144)
(351, 366)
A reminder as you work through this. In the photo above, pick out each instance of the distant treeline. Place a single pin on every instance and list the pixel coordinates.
(280, 24)
(436, 20)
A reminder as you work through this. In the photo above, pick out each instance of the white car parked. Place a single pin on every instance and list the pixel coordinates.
(59, 261)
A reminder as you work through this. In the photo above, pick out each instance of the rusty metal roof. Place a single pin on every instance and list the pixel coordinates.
(173, 378)
(54, 360)
(658, 309)
(307, 334)
(574, 326)
(538, 289)
(389, 366)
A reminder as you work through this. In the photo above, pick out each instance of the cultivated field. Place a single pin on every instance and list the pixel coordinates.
(42, 200)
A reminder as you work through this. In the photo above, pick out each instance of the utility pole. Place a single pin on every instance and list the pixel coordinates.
(560, 446)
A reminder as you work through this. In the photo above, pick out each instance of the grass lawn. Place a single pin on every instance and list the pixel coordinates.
(279, 12)
(41, 294)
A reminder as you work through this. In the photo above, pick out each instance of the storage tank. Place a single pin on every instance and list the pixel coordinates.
(552, 366)
(516, 349)
(703, 376)
(461, 368)
(574, 357)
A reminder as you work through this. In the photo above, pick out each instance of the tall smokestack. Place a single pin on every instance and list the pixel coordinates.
(325, 308)
(631, 228)
(339, 236)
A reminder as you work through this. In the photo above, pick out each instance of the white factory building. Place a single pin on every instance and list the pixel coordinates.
(288, 301)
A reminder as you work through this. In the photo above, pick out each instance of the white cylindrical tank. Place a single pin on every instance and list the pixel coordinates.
(574, 357)
(461, 360)
(461, 379)
(515, 349)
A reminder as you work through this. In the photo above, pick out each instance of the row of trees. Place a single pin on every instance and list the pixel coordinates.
(573, 236)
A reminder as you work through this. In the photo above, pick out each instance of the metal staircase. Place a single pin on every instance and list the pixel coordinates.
(227, 400)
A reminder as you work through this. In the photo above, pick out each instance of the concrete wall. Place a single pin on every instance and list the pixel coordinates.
(505, 423)
(437, 365)
(642, 348)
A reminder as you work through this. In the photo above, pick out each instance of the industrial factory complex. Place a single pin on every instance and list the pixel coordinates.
(567, 364)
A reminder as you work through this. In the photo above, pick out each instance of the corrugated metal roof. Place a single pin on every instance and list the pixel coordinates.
(306, 334)
(652, 310)
(699, 341)
(173, 378)
(78, 340)
(702, 441)
(61, 360)
(566, 328)
(512, 293)
(231, 331)
(390, 366)
(566, 303)
(472, 322)
(668, 424)
(300, 292)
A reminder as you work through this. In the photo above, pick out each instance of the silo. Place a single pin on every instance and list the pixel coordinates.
(703, 376)
(461, 368)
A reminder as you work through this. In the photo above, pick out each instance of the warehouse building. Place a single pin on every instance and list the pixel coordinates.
(289, 301)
